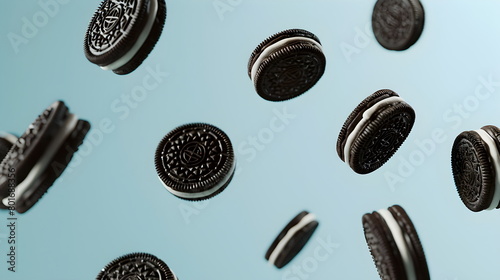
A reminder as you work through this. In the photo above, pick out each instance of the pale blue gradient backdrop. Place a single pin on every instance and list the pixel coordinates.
(110, 202)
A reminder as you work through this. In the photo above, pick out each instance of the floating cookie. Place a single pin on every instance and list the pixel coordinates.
(475, 161)
(136, 266)
(292, 239)
(122, 33)
(286, 64)
(40, 156)
(395, 245)
(195, 161)
(374, 131)
(7, 140)
(397, 24)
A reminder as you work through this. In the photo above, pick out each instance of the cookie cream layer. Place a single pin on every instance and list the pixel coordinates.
(204, 193)
(398, 236)
(152, 11)
(9, 137)
(275, 47)
(30, 183)
(495, 156)
(367, 114)
(289, 234)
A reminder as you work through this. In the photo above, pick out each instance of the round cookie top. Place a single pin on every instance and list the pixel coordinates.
(473, 168)
(397, 24)
(294, 237)
(286, 64)
(195, 161)
(114, 28)
(136, 266)
(384, 248)
(375, 137)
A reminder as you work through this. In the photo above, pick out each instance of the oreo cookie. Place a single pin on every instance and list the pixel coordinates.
(136, 266)
(122, 33)
(292, 239)
(195, 161)
(397, 24)
(40, 156)
(7, 140)
(286, 64)
(394, 245)
(374, 131)
(475, 161)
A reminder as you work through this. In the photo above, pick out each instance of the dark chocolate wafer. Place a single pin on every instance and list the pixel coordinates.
(286, 65)
(195, 161)
(475, 162)
(122, 33)
(292, 239)
(374, 131)
(136, 266)
(397, 24)
(394, 245)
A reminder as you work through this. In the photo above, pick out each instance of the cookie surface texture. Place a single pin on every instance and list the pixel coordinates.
(195, 161)
(397, 24)
(475, 162)
(122, 33)
(374, 131)
(286, 65)
(136, 266)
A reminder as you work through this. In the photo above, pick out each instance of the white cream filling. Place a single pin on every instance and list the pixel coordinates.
(28, 185)
(495, 156)
(289, 234)
(9, 137)
(398, 236)
(204, 193)
(153, 9)
(276, 46)
(366, 116)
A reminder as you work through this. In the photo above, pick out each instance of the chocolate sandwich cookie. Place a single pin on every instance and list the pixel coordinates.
(7, 140)
(40, 156)
(286, 64)
(475, 161)
(195, 161)
(292, 239)
(397, 24)
(122, 33)
(374, 131)
(136, 266)
(394, 245)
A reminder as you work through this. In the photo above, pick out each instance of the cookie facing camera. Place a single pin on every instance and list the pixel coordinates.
(195, 161)
(475, 162)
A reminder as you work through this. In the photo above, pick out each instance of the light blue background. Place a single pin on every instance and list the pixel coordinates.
(110, 202)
